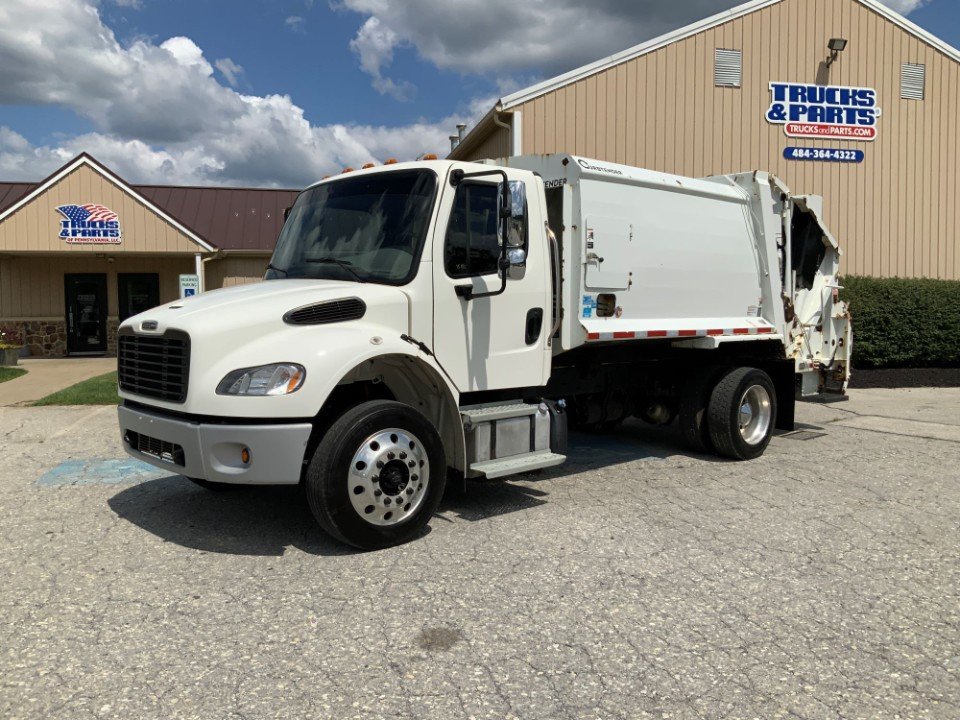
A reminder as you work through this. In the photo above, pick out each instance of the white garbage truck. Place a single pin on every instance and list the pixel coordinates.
(437, 320)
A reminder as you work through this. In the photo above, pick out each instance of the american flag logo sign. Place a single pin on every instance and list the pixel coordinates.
(89, 224)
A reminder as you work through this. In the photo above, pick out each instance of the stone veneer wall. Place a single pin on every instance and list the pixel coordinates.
(45, 338)
(113, 324)
(48, 338)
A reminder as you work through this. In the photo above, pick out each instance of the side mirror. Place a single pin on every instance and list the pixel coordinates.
(515, 216)
(286, 212)
(516, 263)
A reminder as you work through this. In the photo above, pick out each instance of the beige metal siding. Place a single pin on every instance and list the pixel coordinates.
(36, 226)
(33, 286)
(494, 145)
(231, 271)
(896, 214)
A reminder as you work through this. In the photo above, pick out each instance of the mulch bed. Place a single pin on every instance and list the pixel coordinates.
(905, 378)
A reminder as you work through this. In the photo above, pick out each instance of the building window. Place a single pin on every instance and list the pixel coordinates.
(913, 80)
(727, 68)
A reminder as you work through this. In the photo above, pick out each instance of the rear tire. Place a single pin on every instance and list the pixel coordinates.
(694, 424)
(377, 475)
(741, 413)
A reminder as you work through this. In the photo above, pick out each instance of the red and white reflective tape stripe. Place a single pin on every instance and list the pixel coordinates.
(709, 332)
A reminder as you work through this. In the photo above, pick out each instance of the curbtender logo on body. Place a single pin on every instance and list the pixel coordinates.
(89, 224)
(818, 111)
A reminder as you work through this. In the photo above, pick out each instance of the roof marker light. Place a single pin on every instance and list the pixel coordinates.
(429, 156)
(367, 166)
(390, 161)
(346, 170)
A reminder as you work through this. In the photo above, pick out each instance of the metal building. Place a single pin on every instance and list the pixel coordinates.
(83, 250)
(842, 98)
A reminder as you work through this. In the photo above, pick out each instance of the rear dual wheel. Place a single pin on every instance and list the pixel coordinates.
(734, 417)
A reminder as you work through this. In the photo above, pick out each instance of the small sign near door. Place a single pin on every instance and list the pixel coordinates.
(189, 285)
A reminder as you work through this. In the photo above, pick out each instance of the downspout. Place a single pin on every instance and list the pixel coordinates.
(202, 267)
(508, 128)
(198, 269)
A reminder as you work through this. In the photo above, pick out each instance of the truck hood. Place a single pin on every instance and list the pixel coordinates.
(258, 308)
(243, 326)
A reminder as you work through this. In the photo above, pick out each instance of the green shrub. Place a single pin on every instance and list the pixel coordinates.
(904, 323)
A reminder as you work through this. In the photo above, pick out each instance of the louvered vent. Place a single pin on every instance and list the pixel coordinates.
(728, 68)
(324, 313)
(912, 81)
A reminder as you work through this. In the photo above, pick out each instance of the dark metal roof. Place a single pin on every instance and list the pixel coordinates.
(228, 218)
(233, 219)
(10, 192)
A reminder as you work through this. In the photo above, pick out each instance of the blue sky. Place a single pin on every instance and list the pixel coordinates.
(241, 84)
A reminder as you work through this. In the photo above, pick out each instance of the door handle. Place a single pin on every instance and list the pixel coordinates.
(534, 325)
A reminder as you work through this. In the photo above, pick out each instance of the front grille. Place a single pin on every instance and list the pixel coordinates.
(327, 312)
(156, 366)
(160, 449)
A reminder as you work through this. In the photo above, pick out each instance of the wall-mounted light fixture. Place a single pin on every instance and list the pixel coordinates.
(836, 46)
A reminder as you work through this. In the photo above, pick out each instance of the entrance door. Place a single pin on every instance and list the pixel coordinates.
(137, 292)
(86, 313)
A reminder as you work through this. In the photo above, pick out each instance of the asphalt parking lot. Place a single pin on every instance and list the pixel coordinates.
(820, 581)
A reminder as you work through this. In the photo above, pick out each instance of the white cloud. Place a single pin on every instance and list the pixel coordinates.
(904, 7)
(296, 23)
(161, 115)
(230, 70)
(509, 38)
(374, 46)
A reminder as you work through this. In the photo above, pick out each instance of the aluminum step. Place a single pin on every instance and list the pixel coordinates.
(494, 469)
(488, 413)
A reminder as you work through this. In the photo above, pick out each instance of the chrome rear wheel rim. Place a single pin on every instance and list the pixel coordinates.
(388, 477)
(755, 414)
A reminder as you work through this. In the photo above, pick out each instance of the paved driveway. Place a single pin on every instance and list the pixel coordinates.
(821, 581)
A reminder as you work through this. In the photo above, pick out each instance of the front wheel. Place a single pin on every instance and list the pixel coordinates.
(377, 476)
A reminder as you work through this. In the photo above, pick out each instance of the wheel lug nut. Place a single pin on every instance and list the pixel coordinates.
(379, 463)
(377, 493)
(403, 456)
(409, 491)
(386, 501)
(391, 456)
(375, 479)
(411, 464)
(413, 477)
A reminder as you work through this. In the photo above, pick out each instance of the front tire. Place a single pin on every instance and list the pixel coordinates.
(377, 475)
(742, 412)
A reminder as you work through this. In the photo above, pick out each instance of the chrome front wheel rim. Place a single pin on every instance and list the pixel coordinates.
(755, 414)
(388, 477)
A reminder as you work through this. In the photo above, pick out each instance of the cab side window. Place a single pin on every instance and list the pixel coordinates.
(472, 245)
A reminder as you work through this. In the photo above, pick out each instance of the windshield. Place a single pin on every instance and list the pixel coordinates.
(368, 228)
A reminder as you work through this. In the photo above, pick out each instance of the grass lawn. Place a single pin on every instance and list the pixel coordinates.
(100, 390)
(9, 373)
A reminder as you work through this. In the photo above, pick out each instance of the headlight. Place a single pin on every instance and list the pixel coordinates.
(277, 379)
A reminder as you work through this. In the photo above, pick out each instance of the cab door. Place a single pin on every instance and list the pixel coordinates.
(499, 341)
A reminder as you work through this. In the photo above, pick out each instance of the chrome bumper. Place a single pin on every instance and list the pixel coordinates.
(215, 452)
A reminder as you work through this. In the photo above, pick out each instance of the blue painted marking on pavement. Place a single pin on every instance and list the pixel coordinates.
(101, 471)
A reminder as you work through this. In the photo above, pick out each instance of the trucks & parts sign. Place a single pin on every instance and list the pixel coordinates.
(824, 111)
(89, 224)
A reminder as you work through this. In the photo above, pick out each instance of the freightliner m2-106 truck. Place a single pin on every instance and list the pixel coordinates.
(440, 320)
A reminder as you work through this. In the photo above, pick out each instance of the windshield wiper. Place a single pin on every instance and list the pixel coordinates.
(271, 266)
(345, 264)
